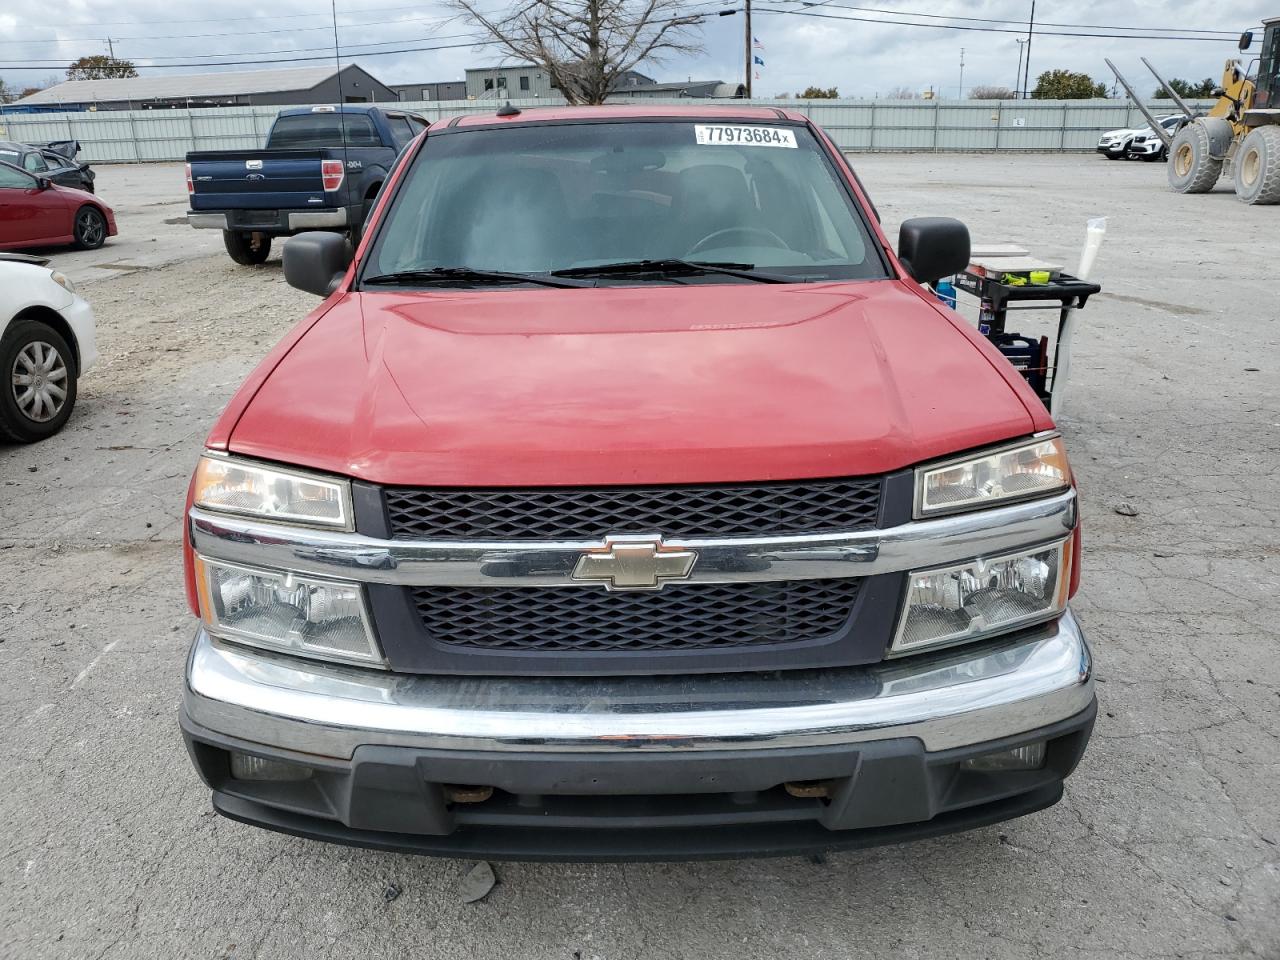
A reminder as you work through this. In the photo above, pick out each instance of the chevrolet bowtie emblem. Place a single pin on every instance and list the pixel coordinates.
(635, 563)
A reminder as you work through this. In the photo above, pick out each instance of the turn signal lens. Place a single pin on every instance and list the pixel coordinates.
(307, 616)
(983, 597)
(227, 485)
(1029, 470)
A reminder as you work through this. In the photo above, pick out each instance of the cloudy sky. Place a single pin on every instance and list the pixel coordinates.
(863, 47)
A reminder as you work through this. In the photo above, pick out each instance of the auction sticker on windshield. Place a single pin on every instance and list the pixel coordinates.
(720, 133)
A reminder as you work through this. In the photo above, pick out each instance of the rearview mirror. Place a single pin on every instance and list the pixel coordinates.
(1246, 40)
(931, 248)
(316, 261)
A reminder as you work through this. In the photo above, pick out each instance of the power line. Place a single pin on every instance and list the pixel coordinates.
(30, 65)
(975, 29)
(938, 16)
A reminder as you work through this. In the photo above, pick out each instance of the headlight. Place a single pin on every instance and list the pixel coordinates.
(1021, 472)
(296, 614)
(983, 597)
(228, 485)
(62, 280)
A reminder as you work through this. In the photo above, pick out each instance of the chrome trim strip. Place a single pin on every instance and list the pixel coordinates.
(957, 698)
(207, 221)
(318, 218)
(923, 543)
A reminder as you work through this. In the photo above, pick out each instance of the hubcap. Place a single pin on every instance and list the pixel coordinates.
(39, 381)
(90, 227)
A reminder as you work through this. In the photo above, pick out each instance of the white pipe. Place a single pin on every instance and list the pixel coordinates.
(1094, 234)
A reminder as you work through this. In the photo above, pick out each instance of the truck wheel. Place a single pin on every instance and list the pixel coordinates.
(1191, 168)
(37, 382)
(90, 230)
(1257, 167)
(247, 248)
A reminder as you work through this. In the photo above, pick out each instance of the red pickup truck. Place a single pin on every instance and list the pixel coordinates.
(628, 496)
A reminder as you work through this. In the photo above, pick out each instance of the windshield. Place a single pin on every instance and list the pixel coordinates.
(553, 197)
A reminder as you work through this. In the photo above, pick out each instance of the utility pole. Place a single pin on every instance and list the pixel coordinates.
(111, 49)
(960, 93)
(1017, 77)
(747, 10)
(1026, 71)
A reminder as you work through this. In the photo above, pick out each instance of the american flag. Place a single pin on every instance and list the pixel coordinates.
(755, 42)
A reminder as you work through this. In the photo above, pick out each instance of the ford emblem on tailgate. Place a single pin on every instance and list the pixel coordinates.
(255, 177)
(635, 563)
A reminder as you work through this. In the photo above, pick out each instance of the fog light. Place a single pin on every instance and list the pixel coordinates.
(244, 766)
(1027, 757)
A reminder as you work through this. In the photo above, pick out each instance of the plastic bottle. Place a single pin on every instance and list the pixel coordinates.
(945, 291)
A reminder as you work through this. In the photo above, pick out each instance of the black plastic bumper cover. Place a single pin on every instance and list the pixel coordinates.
(641, 806)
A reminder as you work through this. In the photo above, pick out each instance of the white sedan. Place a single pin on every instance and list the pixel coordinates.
(46, 343)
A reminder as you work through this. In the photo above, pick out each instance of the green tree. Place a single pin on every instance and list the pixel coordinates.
(100, 67)
(818, 93)
(1185, 88)
(1067, 85)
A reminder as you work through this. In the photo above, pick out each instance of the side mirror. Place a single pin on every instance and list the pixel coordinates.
(316, 261)
(931, 248)
(1246, 40)
(43, 183)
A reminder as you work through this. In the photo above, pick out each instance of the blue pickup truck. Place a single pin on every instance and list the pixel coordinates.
(321, 170)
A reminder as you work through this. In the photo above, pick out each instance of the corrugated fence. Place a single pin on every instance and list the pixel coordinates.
(856, 125)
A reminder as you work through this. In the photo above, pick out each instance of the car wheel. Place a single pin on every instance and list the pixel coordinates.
(247, 249)
(38, 377)
(90, 229)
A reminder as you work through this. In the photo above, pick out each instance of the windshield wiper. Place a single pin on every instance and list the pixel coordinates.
(672, 265)
(469, 275)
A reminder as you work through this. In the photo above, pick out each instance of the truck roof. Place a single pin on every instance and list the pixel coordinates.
(339, 108)
(628, 112)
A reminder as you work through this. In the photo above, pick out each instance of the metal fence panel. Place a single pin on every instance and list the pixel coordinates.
(854, 125)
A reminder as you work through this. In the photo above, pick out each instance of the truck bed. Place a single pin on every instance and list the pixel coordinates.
(261, 179)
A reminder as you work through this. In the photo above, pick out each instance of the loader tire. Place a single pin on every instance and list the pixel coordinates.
(1191, 168)
(1257, 167)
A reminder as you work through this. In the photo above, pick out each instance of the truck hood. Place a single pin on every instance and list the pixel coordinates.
(618, 385)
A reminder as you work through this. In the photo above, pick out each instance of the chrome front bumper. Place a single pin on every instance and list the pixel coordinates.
(955, 698)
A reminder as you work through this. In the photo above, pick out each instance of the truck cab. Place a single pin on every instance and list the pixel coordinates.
(628, 495)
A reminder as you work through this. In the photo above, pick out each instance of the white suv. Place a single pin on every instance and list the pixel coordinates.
(1147, 145)
(1118, 144)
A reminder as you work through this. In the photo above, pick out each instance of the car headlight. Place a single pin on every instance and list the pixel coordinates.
(62, 280)
(229, 485)
(307, 616)
(1020, 472)
(983, 597)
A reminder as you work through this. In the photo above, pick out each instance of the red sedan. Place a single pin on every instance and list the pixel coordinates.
(35, 212)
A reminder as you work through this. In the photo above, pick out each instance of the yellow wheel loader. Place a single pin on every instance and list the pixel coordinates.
(1240, 135)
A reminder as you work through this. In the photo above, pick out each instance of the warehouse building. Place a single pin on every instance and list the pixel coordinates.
(303, 85)
(423, 92)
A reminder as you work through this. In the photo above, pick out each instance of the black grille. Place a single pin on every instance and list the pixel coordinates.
(688, 616)
(812, 506)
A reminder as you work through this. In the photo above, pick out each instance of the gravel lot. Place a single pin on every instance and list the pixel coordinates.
(1166, 844)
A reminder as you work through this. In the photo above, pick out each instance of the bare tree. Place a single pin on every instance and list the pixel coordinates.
(901, 93)
(992, 93)
(585, 45)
